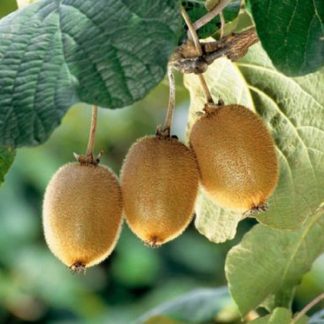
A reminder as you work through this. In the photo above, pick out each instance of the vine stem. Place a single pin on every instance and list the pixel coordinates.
(195, 39)
(92, 133)
(309, 306)
(222, 20)
(211, 14)
(171, 104)
(193, 34)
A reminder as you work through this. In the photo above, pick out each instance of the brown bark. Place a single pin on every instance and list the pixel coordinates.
(234, 46)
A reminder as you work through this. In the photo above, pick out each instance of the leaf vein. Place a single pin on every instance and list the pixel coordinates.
(287, 79)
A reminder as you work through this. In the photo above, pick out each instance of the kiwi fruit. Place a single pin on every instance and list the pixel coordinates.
(82, 214)
(159, 181)
(236, 157)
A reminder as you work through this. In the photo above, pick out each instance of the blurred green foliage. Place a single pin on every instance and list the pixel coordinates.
(36, 287)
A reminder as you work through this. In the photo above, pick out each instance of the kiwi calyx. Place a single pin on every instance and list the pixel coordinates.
(88, 159)
(78, 267)
(163, 132)
(153, 242)
(256, 210)
(211, 107)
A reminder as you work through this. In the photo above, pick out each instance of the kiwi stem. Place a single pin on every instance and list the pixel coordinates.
(309, 306)
(222, 27)
(204, 85)
(171, 105)
(194, 37)
(92, 133)
(192, 31)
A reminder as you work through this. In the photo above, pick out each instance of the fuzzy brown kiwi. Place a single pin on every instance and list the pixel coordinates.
(236, 157)
(82, 214)
(159, 181)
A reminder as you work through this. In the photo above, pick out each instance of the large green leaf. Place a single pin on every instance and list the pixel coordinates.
(56, 53)
(292, 33)
(7, 156)
(269, 263)
(198, 306)
(293, 109)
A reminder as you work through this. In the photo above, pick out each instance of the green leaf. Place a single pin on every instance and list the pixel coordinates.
(198, 306)
(279, 316)
(217, 224)
(292, 33)
(56, 53)
(7, 156)
(293, 109)
(269, 263)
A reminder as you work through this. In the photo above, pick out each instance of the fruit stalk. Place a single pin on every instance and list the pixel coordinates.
(166, 129)
(92, 133)
(195, 39)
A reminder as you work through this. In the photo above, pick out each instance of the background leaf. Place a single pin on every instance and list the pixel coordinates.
(293, 109)
(270, 263)
(56, 53)
(200, 305)
(292, 33)
(7, 156)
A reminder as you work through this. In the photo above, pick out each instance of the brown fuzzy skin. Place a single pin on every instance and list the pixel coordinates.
(82, 214)
(236, 156)
(159, 181)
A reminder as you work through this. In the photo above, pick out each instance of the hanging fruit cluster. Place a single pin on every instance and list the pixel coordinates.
(231, 155)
